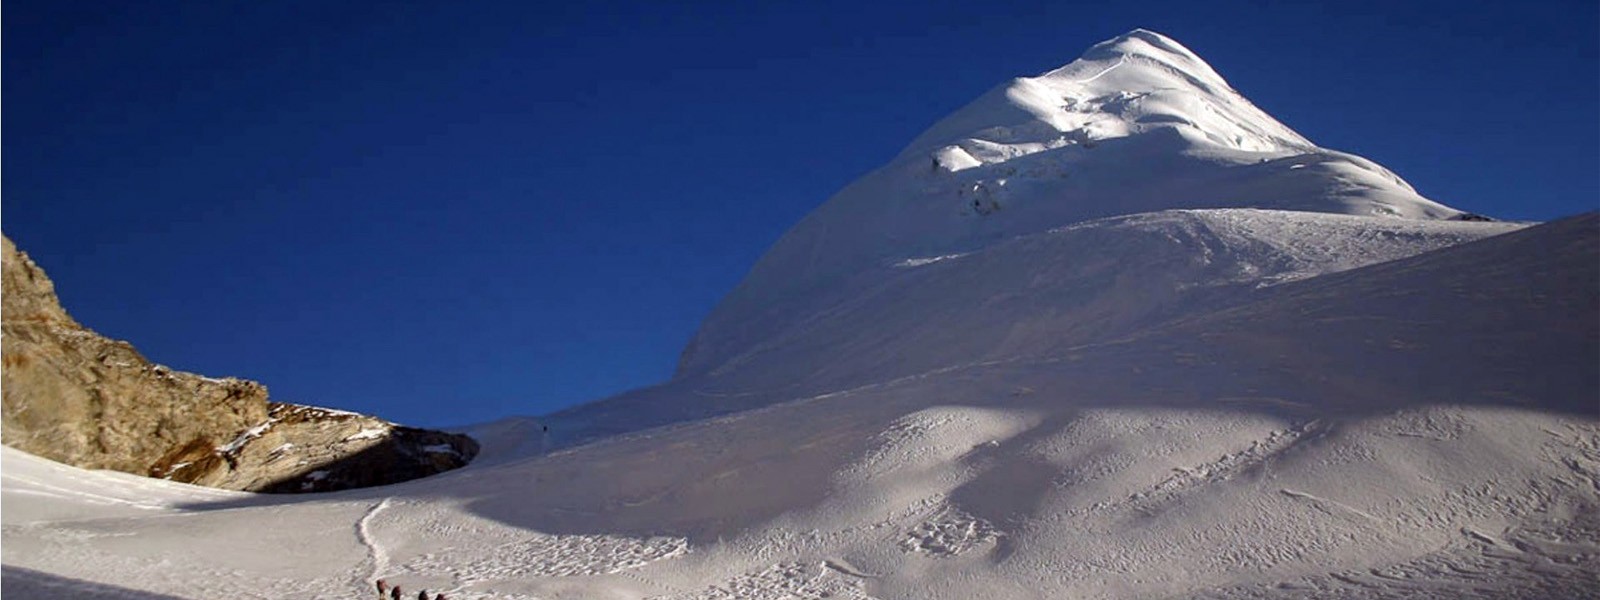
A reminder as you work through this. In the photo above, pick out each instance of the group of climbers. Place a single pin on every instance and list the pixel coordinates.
(388, 592)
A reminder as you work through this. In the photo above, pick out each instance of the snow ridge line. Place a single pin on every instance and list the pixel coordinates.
(1120, 61)
(375, 553)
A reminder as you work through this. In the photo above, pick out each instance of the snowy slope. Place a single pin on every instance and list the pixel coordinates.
(1213, 360)
(1075, 285)
(1281, 447)
(1138, 124)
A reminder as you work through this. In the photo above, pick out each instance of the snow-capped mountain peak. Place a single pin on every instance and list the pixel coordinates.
(1146, 45)
(1071, 366)
(1138, 124)
(1134, 83)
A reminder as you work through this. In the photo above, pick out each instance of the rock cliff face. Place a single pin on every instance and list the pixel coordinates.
(74, 396)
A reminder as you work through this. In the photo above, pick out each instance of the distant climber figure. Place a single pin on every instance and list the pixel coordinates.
(383, 588)
(394, 593)
(422, 595)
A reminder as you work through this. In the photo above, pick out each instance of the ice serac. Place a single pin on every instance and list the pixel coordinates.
(77, 397)
(1138, 124)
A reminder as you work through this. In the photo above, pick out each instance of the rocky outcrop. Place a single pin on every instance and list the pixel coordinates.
(74, 396)
(309, 449)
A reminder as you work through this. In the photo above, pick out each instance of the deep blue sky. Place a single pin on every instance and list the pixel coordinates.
(450, 213)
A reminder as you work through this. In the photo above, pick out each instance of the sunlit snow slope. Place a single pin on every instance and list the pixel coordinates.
(1137, 124)
(1076, 285)
(1421, 428)
(1110, 332)
(1071, 207)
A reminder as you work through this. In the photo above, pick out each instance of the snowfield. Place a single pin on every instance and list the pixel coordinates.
(1299, 444)
(1212, 361)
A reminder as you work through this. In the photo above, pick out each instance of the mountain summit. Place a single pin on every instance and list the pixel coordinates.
(1138, 124)
(1128, 85)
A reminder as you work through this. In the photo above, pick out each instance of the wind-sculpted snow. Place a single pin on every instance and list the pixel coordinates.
(949, 533)
(782, 582)
(547, 556)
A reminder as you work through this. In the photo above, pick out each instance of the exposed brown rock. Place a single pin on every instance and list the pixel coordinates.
(309, 449)
(76, 397)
